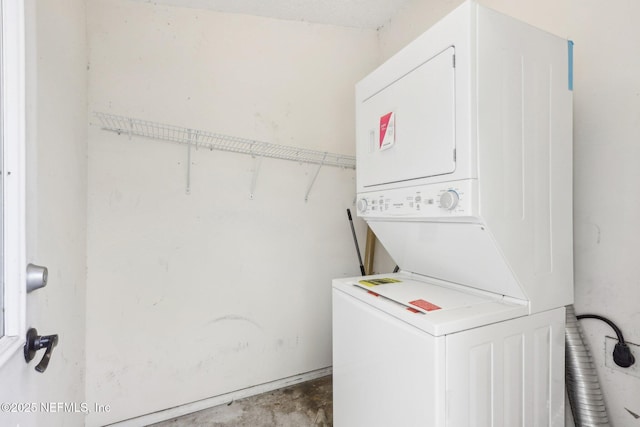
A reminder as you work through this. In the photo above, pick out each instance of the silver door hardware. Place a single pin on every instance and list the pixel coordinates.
(36, 277)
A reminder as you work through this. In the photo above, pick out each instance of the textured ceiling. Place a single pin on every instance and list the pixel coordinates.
(370, 14)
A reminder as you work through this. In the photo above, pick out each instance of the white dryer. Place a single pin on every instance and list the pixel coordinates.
(464, 154)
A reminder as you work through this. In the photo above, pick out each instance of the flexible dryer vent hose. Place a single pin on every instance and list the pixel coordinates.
(583, 388)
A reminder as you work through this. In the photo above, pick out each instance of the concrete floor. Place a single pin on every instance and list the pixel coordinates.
(307, 404)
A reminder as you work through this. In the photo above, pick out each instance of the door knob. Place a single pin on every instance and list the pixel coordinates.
(36, 342)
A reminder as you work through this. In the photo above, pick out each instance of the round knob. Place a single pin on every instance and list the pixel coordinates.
(449, 200)
(362, 205)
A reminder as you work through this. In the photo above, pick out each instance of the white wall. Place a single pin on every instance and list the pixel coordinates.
(606, 157)
(606, 202)
(193, 296)
(56, 210)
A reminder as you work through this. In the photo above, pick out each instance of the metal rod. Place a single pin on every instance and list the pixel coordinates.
(355, 240)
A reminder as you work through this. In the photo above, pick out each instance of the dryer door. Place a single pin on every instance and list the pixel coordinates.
(406, 131)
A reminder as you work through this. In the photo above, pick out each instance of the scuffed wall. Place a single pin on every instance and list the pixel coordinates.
(193, 296)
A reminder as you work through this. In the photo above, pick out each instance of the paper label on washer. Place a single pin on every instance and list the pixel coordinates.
(381, 281)
(425, 305)
(387, 130)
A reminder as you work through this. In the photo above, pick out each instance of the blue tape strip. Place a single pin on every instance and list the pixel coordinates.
(570, 45)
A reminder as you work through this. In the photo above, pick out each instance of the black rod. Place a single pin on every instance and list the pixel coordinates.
(355, 240)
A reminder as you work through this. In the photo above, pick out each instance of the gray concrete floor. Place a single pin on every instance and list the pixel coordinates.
(307, 404)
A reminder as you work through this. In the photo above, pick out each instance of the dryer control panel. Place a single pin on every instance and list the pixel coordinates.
(455, 200)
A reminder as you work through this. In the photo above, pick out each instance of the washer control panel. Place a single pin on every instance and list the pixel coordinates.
(445, 200)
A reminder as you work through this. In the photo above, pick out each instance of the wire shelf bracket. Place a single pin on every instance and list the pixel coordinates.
(214, 141)
(313, 180)
(254, 176)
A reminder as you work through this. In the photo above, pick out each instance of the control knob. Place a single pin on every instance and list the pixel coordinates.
(449, 200)
(362, 205)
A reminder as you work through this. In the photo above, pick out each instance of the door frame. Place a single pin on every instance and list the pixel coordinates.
(13, 134)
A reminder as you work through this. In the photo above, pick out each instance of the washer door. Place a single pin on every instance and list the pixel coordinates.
(385, 372)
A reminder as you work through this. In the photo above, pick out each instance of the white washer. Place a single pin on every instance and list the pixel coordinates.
(464, 154)
(477, 360)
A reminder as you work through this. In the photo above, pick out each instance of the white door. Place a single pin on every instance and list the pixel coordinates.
(14, 399)
(406, 131)
(43, 128)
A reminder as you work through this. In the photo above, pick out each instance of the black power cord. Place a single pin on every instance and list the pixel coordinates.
(621, 353)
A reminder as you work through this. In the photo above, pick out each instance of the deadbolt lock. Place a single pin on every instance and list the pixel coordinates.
(37, 277)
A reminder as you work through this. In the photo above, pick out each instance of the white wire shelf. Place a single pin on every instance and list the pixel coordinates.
(213, 141)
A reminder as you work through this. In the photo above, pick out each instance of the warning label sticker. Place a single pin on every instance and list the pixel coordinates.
(380, 281)
(387, 130)
(425, 305)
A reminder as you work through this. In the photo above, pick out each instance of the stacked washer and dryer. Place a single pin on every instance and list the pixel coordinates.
(464, 173)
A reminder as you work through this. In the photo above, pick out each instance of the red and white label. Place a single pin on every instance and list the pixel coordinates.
(425, 305)
(387, 130)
